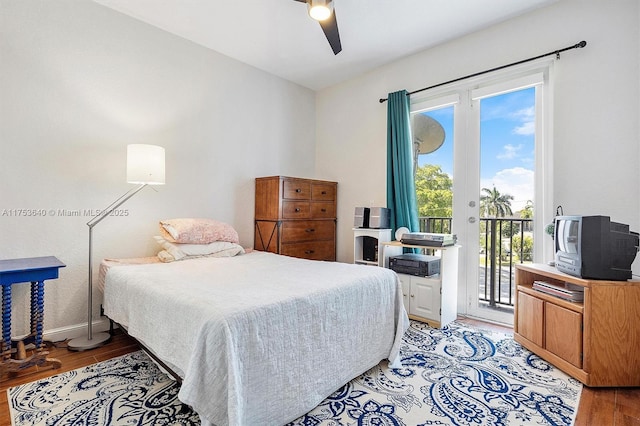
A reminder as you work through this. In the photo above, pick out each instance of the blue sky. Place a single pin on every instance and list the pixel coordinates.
(506, 146)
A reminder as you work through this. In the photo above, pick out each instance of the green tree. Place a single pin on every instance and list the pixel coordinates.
(527, 211)
(510, 229)
(527, 248)
(434, 192)
(494, 204)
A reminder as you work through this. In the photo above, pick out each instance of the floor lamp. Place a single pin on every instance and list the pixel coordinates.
(145, 166)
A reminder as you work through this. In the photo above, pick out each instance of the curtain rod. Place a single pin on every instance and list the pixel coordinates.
(555, 52)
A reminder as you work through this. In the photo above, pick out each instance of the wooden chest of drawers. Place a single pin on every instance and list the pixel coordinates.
(296, 217)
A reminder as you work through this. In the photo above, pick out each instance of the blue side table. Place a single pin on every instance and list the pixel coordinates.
(34, 270)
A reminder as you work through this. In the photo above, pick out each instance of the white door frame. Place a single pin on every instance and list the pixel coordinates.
(465, 96)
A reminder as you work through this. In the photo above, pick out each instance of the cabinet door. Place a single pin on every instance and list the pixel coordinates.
(425, 298)
(530, 318)
(563, 333)
(405, 280)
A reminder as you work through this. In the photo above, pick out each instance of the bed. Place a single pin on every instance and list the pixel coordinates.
(259, 338)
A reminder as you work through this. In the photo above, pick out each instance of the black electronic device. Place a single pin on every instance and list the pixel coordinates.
(369, 249)
(593, 247)
(420, 265)
(372, 217)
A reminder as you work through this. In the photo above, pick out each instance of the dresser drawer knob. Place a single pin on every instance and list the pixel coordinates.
(309, 252)
(323, 210)
(297, 209)
(324, 192)
(309, 230)
(298, 190)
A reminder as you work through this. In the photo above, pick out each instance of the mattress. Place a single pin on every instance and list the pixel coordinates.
(259, 338)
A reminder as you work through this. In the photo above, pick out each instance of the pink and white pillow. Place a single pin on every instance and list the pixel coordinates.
(176, 251)
(187, 238)
(197, 231)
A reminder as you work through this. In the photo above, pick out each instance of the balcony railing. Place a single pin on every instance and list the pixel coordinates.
(504, 242)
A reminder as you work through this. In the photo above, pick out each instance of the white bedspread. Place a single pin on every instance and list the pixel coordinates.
(260, 339)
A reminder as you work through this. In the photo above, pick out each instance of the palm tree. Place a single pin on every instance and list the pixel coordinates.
(527, 211)
(495, 204)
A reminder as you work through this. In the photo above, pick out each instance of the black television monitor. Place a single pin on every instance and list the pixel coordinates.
(593, 247)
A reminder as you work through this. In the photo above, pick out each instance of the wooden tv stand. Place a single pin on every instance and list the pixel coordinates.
(596, 342)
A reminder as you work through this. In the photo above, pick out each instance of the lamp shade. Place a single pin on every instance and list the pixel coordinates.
(145, 164)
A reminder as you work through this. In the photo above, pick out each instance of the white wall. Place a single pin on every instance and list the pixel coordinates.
(595, 118)
(78, 82)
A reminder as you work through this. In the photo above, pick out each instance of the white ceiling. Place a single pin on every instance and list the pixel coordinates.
(279, 37)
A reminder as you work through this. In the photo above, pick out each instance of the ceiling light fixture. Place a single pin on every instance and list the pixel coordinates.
(320, 9)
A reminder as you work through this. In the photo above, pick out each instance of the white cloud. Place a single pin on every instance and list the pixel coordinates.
(526, 129)
(510, 152)
(525, 114)
(527, 117)
(516, 181)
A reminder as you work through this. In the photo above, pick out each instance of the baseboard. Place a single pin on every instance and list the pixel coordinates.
(73, 331)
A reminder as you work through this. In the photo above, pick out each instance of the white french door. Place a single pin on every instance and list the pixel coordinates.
(488, 157)
(501, 186)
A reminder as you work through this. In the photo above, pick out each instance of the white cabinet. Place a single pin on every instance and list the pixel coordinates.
(431, 299)
(362, 238)
(421, 296)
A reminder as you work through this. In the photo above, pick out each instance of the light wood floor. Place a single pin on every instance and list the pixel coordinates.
(598, 406)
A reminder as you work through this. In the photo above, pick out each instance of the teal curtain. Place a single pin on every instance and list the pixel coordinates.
(401, 187)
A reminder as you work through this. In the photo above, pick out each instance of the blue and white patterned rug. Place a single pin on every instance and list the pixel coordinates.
(454, 376)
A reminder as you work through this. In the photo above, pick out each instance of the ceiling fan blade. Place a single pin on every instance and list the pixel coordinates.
(330, 28)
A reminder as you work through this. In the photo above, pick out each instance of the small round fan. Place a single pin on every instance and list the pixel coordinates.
(400, 232)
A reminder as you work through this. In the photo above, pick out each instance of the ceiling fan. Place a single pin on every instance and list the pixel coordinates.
(323, 12)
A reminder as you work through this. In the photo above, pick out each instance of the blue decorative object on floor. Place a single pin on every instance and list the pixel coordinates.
(456, 375)
(128, 390)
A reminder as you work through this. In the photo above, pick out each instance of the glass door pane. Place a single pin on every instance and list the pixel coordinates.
(506, 198)
(433, 143)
